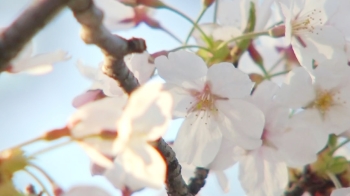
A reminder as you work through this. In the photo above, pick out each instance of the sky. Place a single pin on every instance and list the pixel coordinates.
(31, 105)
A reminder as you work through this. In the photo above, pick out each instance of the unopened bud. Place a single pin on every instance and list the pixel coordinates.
(257, 78)
(207, 3)
(255, 55)
(278, 31)
(56, 134)
(152, 23)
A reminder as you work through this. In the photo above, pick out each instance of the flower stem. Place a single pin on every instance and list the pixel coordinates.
(190, 46)
(27, 142)
(195, 24)
(278, 74)
(50, 148)
(52, 182)
(187, 18)
(276, 64)
(244, 36)
(334, 179)
(171, 34)
(37, 180)
(216, 11)
(339, 146)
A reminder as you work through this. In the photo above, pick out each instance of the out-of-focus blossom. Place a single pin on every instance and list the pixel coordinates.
(30, 62)
(139, 64)
(210, 99)
(341, 192)
(325, 100)
(118, 16)
(145, 119)
(85, 191)
(91, 122)
(306, 30)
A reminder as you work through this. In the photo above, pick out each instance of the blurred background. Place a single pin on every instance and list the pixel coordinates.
(31, 104)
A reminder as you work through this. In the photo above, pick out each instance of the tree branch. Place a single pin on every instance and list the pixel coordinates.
(113, 46)
(14, 37)
(198, 181)
(176, 186)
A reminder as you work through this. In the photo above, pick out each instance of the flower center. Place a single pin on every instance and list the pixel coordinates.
(307, 22)
(324, 101)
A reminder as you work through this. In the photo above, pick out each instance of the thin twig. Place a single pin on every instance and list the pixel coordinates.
(34, 18)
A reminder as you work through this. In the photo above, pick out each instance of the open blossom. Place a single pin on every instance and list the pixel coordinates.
(28, 61)
(145, 119)
(325, 100)
(341, 192)
(210, 99)
(263, 171)
(125, 17)
(139, 64)
(306, 30)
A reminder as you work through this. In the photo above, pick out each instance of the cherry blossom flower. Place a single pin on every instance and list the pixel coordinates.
(139, 64)
(325, 100)
(307, 32)
(145, 119)
(30, 62)
(86, 191)
(263, 171)
(125, 17)
(210, 99)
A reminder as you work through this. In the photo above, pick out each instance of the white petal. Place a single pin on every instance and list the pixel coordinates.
(226, 33)
(263, 96)
(298, 90)
(86, 191)
(341, 192)
(137, 167)
(262, 173)
(87, 71)
(182, 68)
(182, 99)
(147, 113)
(229, 82)
(337, 117)
(244, 122)
(86, 97)
(223, 181)
(208, 29)
(141, 67)
(226, 157)
(96, 156)
(195, 143)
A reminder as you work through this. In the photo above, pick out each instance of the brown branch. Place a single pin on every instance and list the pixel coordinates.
(113, 46)
(198, 181)
(175, 184)
(14, 37)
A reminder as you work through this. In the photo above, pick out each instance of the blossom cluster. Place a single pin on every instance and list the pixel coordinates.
(268, 89)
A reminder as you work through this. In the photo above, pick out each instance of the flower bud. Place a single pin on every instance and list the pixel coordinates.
(278, 31)
(207, 3)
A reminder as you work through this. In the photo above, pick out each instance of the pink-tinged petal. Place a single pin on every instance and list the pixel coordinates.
(195, 143)
(263, 173)
(182, 68)
(227, 156)
(295, 145)
(263, 96)
(94, 117)
(298, 90)
(182, 98)
(87, 97)
(96, 169)
(141, 67)
(112, 19)
(138, 167)
(243, 122)
(147, 113)
(223, 181)
(89, 72)
(341, 192)
(86, 191)
(96, 156)
(229, 82)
